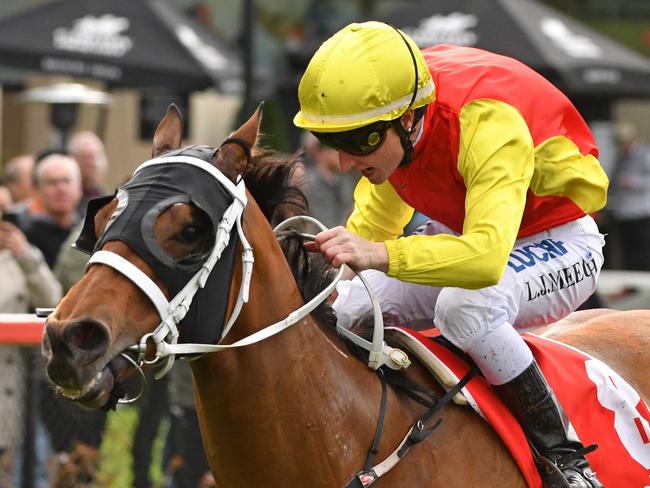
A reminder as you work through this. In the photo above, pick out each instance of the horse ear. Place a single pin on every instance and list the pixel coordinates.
(169, 133)
(251, 128)
(230, 158)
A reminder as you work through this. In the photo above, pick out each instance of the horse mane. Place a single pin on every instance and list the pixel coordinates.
(312, 274)
(276, 184)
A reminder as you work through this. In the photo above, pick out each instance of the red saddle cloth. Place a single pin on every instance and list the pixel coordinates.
(603, 408)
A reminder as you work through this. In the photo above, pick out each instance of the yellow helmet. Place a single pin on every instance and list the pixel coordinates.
(362, 74)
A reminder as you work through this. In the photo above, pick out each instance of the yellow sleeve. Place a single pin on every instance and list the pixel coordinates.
(496, 161)
(379, 213)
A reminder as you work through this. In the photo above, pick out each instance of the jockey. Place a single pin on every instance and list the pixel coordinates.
(507, 170)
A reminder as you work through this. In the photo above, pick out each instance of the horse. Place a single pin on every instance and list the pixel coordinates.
(296, 409)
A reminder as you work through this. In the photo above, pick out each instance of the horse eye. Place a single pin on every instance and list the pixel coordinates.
(189, 234)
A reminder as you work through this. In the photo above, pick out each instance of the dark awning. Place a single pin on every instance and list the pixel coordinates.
(125, 43)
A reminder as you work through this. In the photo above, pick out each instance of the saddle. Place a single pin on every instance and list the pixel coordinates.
(399, 337)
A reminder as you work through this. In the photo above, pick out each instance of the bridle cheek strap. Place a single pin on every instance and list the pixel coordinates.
(247, 274)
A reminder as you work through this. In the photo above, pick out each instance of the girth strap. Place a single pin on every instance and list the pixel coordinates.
(374, 448)
(417, 433)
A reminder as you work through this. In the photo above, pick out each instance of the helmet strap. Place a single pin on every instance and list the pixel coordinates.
(405, 139)
(405, 135)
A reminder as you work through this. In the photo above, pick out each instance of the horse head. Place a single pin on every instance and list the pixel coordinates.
(165, 222)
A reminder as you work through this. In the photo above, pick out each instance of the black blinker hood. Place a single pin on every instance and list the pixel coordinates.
(146, 195)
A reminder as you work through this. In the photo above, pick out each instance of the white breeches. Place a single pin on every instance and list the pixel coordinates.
(548, 276)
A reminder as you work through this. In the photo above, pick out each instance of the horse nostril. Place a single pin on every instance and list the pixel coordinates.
(53, 344)
(86, 336)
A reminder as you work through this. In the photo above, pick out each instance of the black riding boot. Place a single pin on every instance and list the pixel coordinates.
(535, 406)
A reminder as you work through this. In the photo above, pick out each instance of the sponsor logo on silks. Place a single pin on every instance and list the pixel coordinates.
(530, 254)
(561, 279)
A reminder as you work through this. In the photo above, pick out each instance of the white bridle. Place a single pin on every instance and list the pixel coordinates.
(171, 312)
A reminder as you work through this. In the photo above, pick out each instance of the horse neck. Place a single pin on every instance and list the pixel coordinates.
(302, 372)
(274, 294)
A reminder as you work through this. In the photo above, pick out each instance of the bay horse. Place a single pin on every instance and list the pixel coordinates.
(297, 409)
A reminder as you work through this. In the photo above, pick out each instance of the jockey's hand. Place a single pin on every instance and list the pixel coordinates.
(340, 246)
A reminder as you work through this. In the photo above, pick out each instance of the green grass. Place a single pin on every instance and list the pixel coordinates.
(116, 468)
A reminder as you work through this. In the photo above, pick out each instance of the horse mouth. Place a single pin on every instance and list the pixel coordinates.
(94, 394)
(98, 391)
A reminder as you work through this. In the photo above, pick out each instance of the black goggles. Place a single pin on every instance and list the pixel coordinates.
(359, 142)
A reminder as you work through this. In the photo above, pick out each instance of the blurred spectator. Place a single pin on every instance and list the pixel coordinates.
(328, 190)
(5, 198)
(26, 282)
(15, 248)
(630, 198)
(88, 151)
(202, 13)
(34, 206)
(19, 178)
(58, 188)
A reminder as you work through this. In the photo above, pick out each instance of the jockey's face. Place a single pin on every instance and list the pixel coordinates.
(381, 163)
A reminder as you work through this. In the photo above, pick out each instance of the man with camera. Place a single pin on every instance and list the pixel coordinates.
(25, 282)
